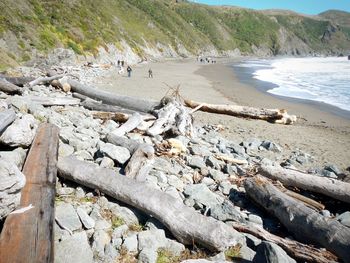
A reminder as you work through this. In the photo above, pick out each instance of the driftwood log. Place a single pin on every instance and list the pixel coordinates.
(6, 118)
(45, 80)
(52, 101)
(18, 81)
(188, 226)
(128, 126)
(295, 249)
(303, 222)
(8, 87)
(27, 235)
(140, 163)
(113, 99)
(327, 186)
(272, 115)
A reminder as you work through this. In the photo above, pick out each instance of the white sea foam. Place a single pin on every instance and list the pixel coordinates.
(319, 79)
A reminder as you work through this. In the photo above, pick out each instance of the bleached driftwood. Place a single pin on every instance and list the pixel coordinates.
(52, 101)
(8, 87)
(295, 249)
(188, 226)
(115, 116)
(330, 187)
(129, 144)
(45, 80)
(303, 222)
(18, 81)
(128, 126)
(28, 235)
(140, 163)
(6, 118)
(113, 99)
(273, 115)
(230, 159)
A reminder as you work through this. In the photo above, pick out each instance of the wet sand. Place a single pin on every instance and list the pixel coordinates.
(318, 132)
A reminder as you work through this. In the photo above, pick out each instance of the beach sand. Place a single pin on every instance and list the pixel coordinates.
(318, 132)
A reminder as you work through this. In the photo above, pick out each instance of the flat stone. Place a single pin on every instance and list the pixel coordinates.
(207, 181)
(107, 162)
(65, 191)
(344, 218)
(255, 219)
(226, 212)
(218, 176)
(17, 156)
(130, 243)
(65, 150)
(200, 150)
(11, 182)
(201, 194)
(87, 221)
(67, 217)
(128, 215)
(225, 187)
(269, 252)
(100, 240)
(212, 162)
(252, 241)
(116, 153)
(246, 253)
(120, 231)
(196, 162)
(74, 248)
(175, 181)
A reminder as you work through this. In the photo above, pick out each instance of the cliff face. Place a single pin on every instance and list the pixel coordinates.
(141, 29)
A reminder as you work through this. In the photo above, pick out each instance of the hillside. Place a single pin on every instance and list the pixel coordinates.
(340, 17)
(140, 29)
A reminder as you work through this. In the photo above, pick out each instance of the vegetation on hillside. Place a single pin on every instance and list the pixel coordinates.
(85, 25)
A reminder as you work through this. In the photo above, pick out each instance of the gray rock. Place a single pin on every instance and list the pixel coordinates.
(161, 177)
(174, 247)
(196, 162)
(117, 153)
(65, 191)
(111, 254)
(21, 132)
(67, 218)
(271, 146)
(344, 218)
(255, 219)
(212, 162)
(201, 194)
(208, 181)
(100, 240)
(120, 231)
(246, 253)
(175, 181)
(218, 176)
(268, 252)
(65, 150)
(107, 162)
(200, 150)
(252, 144)
(226, 212)
(252, 241)
(225, 187)
(333, 168)
(17, 156)
(171, 190)
(130, 243)
(329, 174)
(151, 239)
(326, 213)
(153, 224)
(11, 183)
(87, 221)
(83, 155)
(74, 248)
(128, 215)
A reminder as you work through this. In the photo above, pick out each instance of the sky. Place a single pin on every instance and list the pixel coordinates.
(310, 7)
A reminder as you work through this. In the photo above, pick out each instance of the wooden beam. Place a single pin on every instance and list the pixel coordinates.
(27, 235)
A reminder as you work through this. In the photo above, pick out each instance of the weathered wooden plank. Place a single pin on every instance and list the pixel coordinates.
(27, 235)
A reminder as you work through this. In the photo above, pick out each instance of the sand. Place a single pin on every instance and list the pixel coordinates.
(318, 132)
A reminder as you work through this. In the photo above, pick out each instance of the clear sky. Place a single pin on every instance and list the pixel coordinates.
(302, 6)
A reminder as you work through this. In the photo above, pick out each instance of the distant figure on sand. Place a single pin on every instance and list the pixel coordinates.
(122, 63)
(150, 73)
(118, 63)
(129, 71)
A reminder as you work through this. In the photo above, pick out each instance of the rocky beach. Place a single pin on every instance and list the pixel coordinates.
(127, 192)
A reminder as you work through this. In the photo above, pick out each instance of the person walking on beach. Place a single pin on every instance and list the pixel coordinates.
(150, 73)
(128, 69)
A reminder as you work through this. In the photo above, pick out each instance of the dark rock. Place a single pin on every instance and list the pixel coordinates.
(212, 162)
(271, 146)
(269, 252)
(333, 168)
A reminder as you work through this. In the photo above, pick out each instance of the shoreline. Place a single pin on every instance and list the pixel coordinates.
(318, 133)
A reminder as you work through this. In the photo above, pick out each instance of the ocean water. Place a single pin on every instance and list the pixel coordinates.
(319, 79)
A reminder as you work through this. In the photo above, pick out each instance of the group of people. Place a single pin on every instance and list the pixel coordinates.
(121, 63)
(206, 60)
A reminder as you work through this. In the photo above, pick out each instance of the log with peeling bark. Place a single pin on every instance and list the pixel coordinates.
(303, 222)
(113, 99)
(131, 145)
(27, 235)
(188, 226)
(295, 249)
(8, 87)
(18, 81)
(272, 115)
(44, 80)
(327, 186)
(128, 126)
(6, 118)
(140, 163)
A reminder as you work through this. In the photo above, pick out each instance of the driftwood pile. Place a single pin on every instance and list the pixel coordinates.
(166, 129)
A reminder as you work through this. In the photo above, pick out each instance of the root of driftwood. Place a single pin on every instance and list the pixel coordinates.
(272, 115)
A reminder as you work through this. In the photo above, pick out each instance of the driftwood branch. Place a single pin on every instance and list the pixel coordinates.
(305, 223)
(8, 87)
(185, 223)
(140, 162)
(131, 145)
(27, 235)
(273, 115)
(128, 126)
(18, 81)
(45, 80)
(6, 118)
(52, 101)
(330, 187)
(113, 99)
(295, 249)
